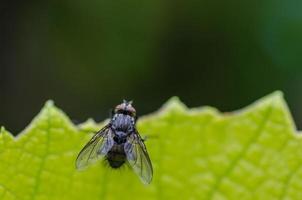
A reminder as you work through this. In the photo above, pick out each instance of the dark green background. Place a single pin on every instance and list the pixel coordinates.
(89, 55)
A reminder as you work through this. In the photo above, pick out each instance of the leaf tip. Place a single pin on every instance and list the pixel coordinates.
(5, 133)
(2, 129)
(88, 124)
(277, 95)
(49, 103)
(281, 102)
(175, 104)
(276, 98)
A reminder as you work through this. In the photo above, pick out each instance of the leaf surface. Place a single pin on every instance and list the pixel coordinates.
(199, 153)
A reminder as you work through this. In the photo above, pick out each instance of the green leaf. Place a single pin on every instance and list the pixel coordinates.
(199, 153)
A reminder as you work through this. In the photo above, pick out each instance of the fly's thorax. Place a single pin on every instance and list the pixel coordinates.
(123, 123)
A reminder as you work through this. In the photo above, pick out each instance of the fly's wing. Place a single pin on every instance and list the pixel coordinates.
(138, 158)
(96, 148)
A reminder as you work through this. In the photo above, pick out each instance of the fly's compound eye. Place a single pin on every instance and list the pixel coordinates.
(132, 111)
(120, 108)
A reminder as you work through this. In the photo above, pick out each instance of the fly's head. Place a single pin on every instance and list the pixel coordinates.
(125, 108)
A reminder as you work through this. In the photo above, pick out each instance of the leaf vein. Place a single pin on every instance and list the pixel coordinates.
(39, 172)
(241, 154)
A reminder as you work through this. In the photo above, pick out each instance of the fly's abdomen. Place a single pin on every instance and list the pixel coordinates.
(116, 156)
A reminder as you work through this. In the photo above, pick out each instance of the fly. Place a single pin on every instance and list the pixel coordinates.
(118, 143)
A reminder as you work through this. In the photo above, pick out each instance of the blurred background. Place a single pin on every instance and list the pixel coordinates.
(89, 55)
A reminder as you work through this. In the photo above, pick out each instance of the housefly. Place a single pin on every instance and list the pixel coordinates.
(119, 142)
